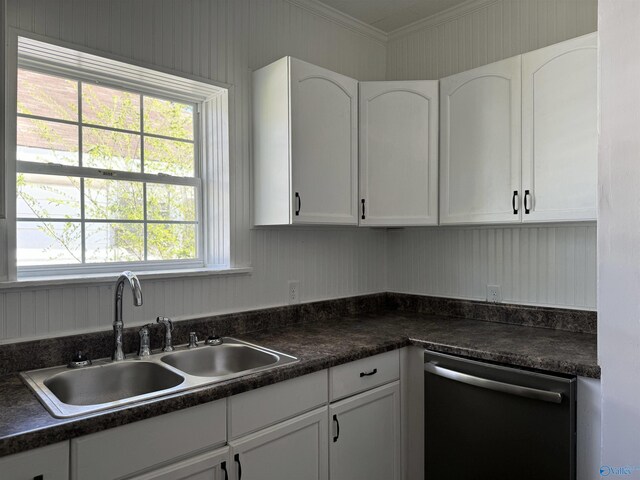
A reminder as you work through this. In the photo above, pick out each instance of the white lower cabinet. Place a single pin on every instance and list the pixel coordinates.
(46, 463)
(278, 432)
(365, 437)
(295, 449)
(133, 450)
(207, 466)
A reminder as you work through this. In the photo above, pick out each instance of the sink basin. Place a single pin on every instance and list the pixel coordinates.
(225, 359)
(111, 382)
(106, 385)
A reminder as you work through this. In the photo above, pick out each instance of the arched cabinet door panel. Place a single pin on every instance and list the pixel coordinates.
(398, 153)
(324, 145)
(559, 131)
(305, 145)
(480, 131)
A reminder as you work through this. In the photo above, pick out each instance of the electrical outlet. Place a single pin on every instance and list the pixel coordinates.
(493, 294)
(294, 292)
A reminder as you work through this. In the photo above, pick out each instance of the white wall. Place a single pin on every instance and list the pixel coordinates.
(533, 265)
(619, 232)
(485, 32)
(548, 265)
(222, 40)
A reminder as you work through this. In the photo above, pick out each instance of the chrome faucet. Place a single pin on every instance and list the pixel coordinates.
(130, 277)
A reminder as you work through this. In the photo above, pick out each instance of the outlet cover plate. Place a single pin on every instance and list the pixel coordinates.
(293, 293)
(494, 295)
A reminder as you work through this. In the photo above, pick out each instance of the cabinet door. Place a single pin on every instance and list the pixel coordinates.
(295, 449)
(399, 153)
(324, 145)
(365, 437)
(48, 463)
(207, 466)
(480, 131)
(559, 131)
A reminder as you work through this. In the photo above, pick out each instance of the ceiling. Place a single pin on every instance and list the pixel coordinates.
(389, 15)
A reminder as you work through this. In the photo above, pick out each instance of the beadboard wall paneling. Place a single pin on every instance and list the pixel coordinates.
(494, 31)
(221, 40)
(329, 263)
(553, 266)
(545, 265)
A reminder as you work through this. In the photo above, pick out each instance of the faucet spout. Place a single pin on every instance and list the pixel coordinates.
(118, 325)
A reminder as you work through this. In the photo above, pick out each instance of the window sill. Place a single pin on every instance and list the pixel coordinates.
(108, 278)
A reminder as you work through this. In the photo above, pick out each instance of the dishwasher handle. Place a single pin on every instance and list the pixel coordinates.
(533, 393)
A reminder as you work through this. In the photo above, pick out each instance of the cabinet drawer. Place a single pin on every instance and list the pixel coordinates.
(50, 462)
(133, 448)
(364, 374)
(251, 411)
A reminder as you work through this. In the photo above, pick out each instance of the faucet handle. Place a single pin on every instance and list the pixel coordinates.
(145, 341)
(193, 340)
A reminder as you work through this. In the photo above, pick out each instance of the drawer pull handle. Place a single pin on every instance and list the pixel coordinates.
(38, 477)
(223, 467)
(368, 374)
(237, 460)
(335, 419)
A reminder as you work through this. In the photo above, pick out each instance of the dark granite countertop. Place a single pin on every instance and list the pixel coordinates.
(25, 424)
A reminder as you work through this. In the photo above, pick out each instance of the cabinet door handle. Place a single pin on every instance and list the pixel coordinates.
(223, 467)
(368, 374)
(236, 458)
(527, 209)
(513, 202)
(363, 216)
(299, 200)
(335, 419)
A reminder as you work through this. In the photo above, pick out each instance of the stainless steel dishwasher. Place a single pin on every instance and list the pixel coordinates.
(485, 421)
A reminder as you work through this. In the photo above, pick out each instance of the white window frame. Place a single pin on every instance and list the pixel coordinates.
(211, 147)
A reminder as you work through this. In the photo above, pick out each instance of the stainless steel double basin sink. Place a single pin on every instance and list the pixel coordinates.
(105, 385)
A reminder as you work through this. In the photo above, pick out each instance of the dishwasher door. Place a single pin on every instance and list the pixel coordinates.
(484, 421)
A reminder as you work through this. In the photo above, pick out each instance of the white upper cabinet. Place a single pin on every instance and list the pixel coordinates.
(305, 145)
(559, 131)
(480, 130)
(398, 153)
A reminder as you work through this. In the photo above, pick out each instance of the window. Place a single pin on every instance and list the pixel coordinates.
(110, 170)
(104, 175)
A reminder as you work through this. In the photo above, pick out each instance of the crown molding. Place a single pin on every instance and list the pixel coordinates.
(439, 18)
(325, 11)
